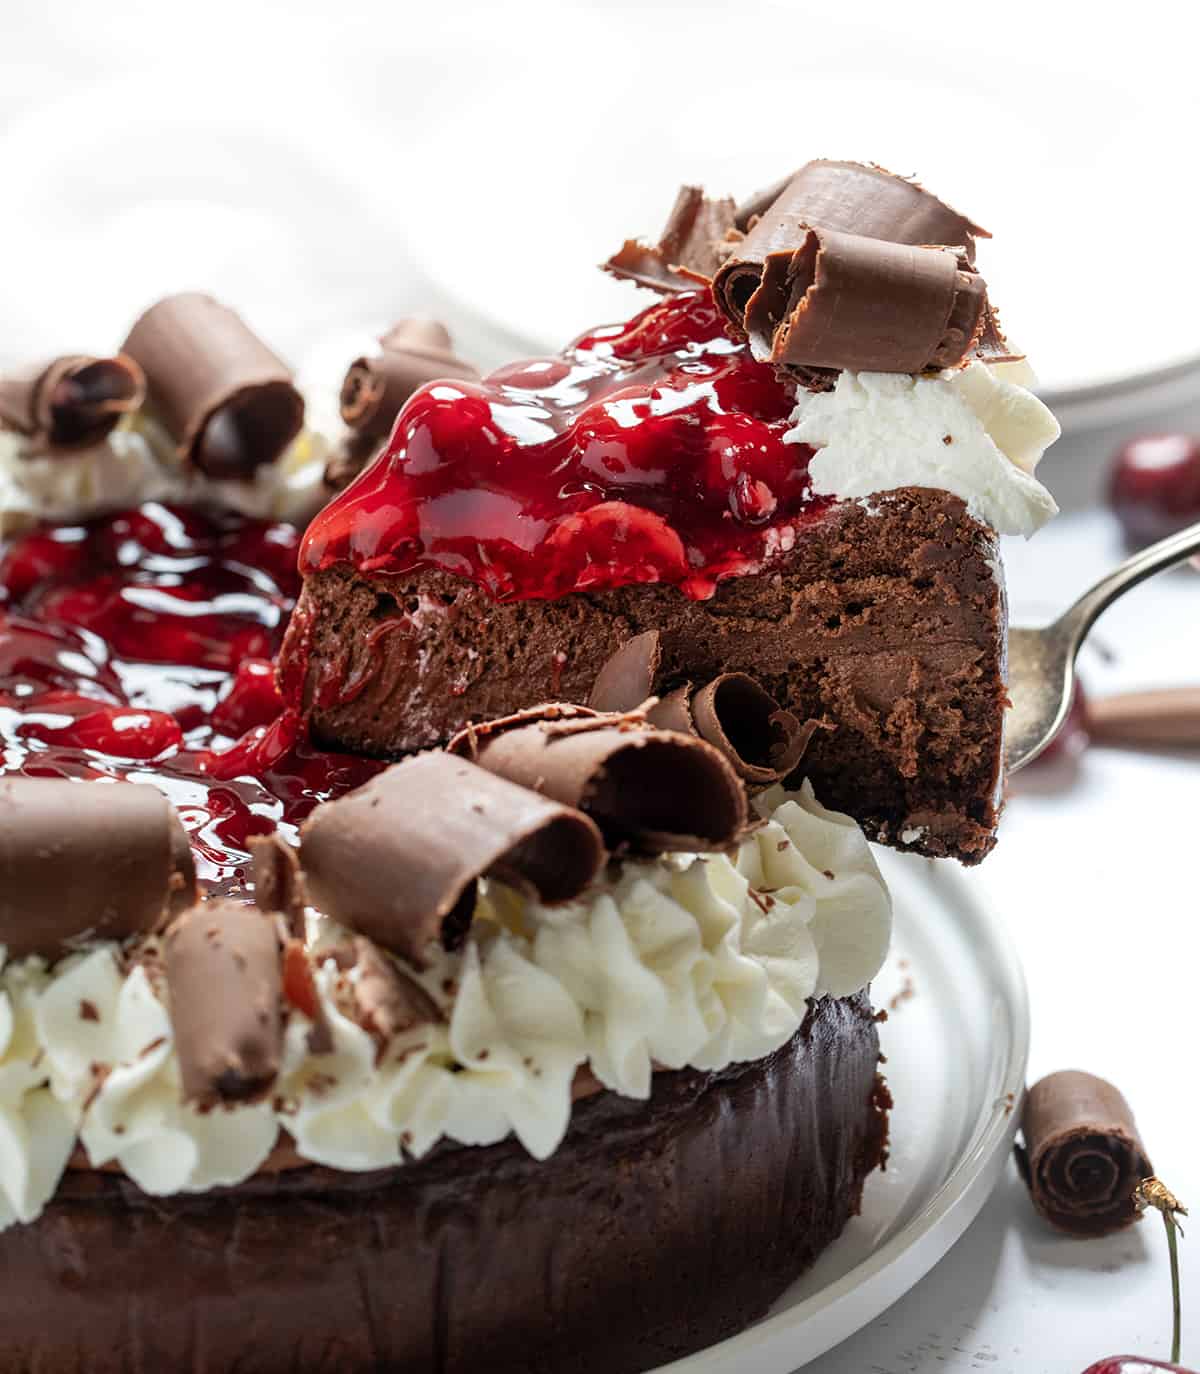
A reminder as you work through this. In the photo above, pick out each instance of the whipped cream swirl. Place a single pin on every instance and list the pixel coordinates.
(976, 432)
(684, 961)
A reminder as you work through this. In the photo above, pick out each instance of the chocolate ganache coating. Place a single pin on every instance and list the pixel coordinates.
(656, 1228)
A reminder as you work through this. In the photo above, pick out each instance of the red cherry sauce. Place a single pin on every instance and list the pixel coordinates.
(647, 452)
(139, 646)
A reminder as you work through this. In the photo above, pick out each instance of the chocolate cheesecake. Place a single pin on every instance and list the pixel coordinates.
(787, 472)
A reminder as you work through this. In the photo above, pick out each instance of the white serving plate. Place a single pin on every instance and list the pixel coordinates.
(956, 1042)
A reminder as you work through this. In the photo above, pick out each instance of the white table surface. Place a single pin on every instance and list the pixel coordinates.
(146, 147)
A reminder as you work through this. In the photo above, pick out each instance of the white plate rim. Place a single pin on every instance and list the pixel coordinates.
(877, 1281)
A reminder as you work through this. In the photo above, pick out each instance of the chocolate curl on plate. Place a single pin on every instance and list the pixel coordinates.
(691, 248)
(736, 715)
(398, 859)
(225, 398)
(84, 861)
(278, 881)
(852, 267)
(71, 403)
(411, 353)
(1082, 1157)
(387, 1001)
(223, 964)
(652, 789)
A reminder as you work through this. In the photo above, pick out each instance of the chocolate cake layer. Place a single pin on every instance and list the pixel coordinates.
(655, 1229)
(886, 623)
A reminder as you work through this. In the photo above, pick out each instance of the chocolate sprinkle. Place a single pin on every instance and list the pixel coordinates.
(225, 398)
(1082, 1156)
(411, 353)
(226, 1002)
(84, 861)
(654, 790)
(70, 403)
(398, 859)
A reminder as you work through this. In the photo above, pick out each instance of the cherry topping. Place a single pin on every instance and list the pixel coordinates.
(1155, 486)
(651, 451)
(138, 646)
(1133, 1364)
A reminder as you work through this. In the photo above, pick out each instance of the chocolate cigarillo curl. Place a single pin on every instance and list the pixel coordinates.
(71, 403)
(411, 353)
(227, 401)
(84, 861)
(1083, 1156)
(734, 713)
(762, 741)
(691, 247)
(223, 964)
(654, 790)
(851, 267)
(398, 859)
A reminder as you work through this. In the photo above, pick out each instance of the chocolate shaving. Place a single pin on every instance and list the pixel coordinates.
(654, 790)
(70, 403)
(278, 881)
(226, 1002)
(398, 859)
(852, 267)
(1082, 1156)
(411, 353)
(225, 398)
(629, 676)
(84, 861)
(692, 245)
(387, 1000)
(734, 713)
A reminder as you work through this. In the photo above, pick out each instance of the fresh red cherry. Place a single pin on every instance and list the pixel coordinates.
(1133, 1364)
(1155, 486)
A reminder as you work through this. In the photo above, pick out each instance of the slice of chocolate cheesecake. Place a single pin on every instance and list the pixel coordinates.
(717, 470)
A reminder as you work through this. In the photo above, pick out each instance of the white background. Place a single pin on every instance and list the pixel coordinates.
(329, 167)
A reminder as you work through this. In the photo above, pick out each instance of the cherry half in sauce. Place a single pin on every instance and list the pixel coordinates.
(138, 646)
(647, 452)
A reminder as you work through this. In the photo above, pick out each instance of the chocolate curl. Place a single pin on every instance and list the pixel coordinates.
(652, 789)
(84, 861)
(691, 248)
(278, 881)
(736, 715)
(1083, 1157)
(629, 676)
(837, 301)
(832, 271)
(226, 1002)
(351, 456)
(398, 859)
(411, 353)
(387, 1001)
(71, 403)
(225, 398)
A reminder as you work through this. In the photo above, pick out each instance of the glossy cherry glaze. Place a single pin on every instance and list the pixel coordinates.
(647, 452)
(1134, 1364)
(139, 646)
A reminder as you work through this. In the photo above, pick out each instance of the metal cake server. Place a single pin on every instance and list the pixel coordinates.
(1041, 662)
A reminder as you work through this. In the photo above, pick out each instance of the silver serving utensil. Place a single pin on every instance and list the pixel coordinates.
(1041, 663)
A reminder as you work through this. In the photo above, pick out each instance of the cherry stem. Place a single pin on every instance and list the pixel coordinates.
(1151, 1192)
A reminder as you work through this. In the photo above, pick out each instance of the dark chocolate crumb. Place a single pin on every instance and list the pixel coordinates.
(88, 1011)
